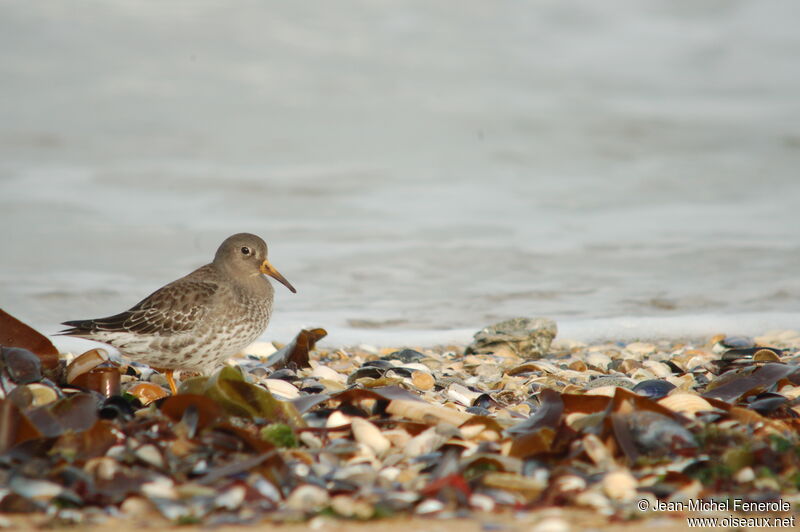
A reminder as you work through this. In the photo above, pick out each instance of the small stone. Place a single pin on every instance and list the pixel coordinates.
(343, 505)
(405, 356)
(136, 506)
(489, 372)
(578, 365)
(528, 338)
(41, 490)
(610, 380)
(745, 475)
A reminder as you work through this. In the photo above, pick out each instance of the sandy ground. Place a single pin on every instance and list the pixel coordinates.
(546, 520)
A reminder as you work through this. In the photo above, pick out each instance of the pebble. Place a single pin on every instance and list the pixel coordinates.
(745, 475)
(136, 506)
(307, 498)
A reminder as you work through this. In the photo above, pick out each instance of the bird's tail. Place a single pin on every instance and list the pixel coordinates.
(78, 328)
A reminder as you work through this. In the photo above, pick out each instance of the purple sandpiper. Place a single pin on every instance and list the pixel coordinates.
(199, 320)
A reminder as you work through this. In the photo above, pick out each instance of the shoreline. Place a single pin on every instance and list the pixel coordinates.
(689, 328)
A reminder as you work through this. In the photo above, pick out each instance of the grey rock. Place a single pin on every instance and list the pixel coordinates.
(528, 338)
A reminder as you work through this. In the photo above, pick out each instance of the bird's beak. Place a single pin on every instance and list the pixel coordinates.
(268, 269)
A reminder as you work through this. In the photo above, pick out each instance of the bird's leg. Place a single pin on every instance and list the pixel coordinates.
(171, 381)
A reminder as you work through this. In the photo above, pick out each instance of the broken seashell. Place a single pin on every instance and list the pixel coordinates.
(147, 392)
(85, 363)
(337, 419)
(260, 349)
(424, 442)
(461, 394)
(281, 388)
(597, 451)
(686, 403)
(370, 435)
(606, 391)
(766, 355)
(551, 524)
(41, 394)
(429, 506)
(620, 485)
(307, 498)
(325, 373)
(150, 454)
(423, 380)
(231, 499)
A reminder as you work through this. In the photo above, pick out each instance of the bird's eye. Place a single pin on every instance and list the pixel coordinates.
(245, 250)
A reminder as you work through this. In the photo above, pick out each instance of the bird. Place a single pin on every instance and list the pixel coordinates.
(199, 320)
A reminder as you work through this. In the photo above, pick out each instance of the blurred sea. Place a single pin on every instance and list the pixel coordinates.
(419, 169)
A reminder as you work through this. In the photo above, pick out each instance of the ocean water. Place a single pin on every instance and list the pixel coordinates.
(419, 170)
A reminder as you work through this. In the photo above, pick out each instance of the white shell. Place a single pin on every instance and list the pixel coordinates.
(281, 388)
(307, 497)
(337, 419)
(260, 349)
(324, 372)
(461, 394)
(620, 485)
(370, 435)
(688, 404)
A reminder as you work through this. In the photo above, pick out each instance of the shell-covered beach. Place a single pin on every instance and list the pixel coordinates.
(514, 424)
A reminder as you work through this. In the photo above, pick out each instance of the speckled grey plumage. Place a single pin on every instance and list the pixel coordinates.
(199, 320)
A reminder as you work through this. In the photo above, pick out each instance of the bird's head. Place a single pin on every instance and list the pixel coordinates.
(246, 254)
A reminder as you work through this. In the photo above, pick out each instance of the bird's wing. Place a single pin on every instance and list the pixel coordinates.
(175, 308)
